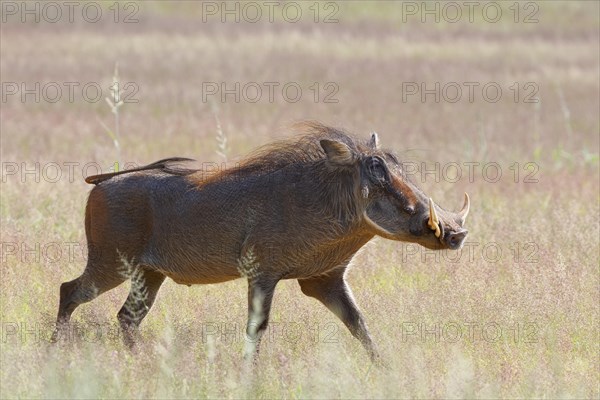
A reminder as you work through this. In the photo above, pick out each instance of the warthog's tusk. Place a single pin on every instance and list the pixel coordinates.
(462, 215)
(433, 219)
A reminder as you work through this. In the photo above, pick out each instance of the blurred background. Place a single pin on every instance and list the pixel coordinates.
(498, 99)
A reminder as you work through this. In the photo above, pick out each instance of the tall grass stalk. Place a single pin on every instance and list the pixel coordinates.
(222, 148)
(566, 112)
(115, 102)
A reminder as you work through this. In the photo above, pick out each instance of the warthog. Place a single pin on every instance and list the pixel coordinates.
(295, 209)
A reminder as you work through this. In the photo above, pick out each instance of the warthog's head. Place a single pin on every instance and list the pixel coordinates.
(391, 205)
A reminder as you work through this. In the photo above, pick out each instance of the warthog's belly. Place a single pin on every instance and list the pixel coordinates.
(199, 280)
(289, 261)
(185, 272)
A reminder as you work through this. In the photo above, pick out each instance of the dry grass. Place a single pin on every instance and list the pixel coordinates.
(552, 301)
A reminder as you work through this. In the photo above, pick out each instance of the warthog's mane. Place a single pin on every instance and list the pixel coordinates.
(301, 154)
(301, 149)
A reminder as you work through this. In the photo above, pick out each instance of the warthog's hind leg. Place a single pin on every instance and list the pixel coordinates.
(144, 288)
(82, 290)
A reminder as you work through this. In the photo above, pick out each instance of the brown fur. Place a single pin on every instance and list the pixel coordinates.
(295, 209)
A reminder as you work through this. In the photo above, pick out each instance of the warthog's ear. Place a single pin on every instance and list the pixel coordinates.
(374, 141)
(337, 152)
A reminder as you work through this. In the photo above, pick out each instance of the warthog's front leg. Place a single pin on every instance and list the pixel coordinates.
(333, 291)
(260, 297)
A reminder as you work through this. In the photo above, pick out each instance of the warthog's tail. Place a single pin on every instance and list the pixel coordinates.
(166, 165)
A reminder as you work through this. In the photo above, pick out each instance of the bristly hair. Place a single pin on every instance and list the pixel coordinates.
(304, 148)
(338, 196)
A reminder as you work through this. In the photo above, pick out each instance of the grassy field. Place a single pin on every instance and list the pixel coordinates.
(515, 314)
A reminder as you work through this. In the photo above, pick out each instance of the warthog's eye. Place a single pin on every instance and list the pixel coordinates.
(377, 169)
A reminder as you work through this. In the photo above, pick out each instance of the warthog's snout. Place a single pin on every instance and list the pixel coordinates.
(455, 240)
(445, 227)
